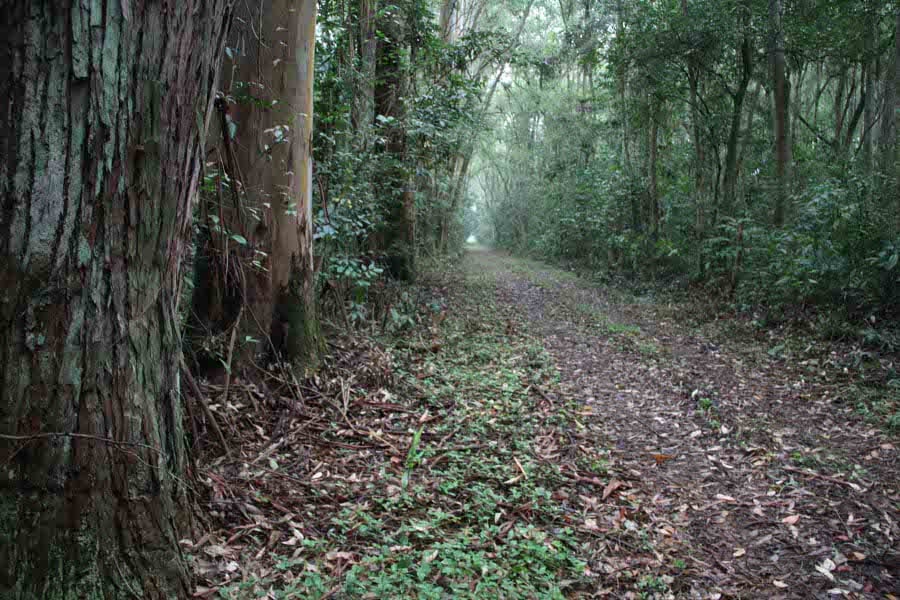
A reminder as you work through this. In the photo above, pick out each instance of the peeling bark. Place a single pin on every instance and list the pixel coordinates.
(101, 132)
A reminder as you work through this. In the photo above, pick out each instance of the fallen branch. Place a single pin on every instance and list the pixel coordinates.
(853, 486)
(195, 389)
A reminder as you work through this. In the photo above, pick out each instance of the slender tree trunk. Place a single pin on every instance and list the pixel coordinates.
(890, 128)
(653, 154)
(744, 55)
(780, 109)
(364, 105)
(448, 20)
(869, 68)
(463, 158)
(891, 108)
(394, 184)
(101, 146)
(293, 270)
(693, 69)
(839, 110)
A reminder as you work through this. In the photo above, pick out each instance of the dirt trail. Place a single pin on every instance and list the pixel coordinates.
(749, 473)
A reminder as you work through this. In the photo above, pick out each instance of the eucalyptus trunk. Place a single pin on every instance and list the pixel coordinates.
(363, 116)
(268, 74)
(293, 270)
(101, 136)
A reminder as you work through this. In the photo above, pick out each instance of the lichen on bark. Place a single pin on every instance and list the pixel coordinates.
(99, 150)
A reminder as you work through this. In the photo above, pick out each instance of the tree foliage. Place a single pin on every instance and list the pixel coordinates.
(746, 145)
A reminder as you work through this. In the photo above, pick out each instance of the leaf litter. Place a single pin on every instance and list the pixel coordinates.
(540, 437)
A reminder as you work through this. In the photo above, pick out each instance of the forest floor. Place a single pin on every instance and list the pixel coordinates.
(539, 436)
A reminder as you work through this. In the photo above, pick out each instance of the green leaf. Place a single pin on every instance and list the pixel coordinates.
(239, 239)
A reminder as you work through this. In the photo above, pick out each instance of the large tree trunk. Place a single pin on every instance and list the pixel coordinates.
(272, 51)
(100, 143)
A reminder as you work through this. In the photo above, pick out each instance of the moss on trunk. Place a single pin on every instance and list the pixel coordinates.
(99, 158)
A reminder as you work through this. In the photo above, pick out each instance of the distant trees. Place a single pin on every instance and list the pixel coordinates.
(403, 98)
(102, 130)
(103, 138)
(749, 145)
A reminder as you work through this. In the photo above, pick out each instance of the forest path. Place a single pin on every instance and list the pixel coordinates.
(726, 471)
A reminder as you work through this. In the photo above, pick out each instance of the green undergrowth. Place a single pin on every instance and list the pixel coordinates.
(468, 510)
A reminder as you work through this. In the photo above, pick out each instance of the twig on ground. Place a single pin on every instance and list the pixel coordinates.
(195, 389)
(853, 486)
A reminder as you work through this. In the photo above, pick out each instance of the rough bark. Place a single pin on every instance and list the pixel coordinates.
(101, 132)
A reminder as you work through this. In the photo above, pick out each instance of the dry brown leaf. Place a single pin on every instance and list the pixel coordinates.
(661, 458)
(611, 487)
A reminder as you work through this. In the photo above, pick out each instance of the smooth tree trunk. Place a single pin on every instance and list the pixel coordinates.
(101, 134)
(293, 269)
(268, 74)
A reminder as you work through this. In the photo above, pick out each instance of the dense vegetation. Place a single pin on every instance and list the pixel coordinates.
(228, 217)
(745, 145)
